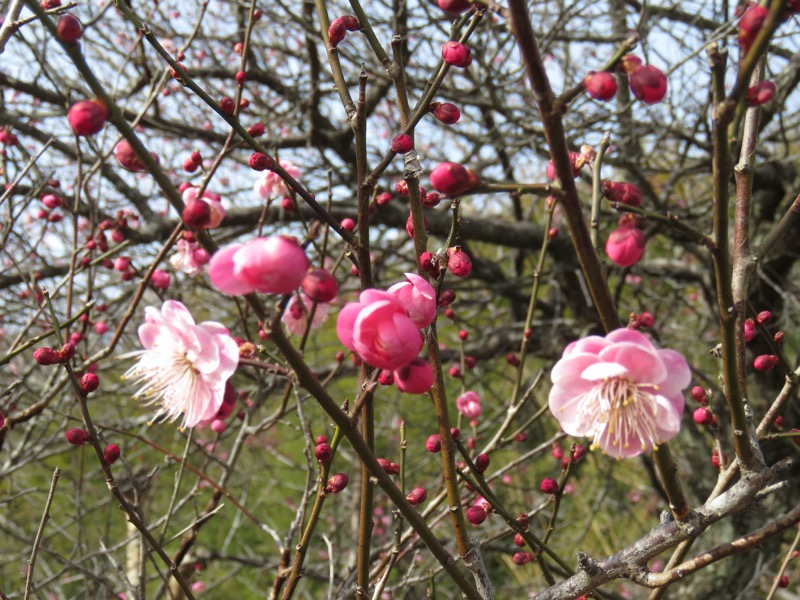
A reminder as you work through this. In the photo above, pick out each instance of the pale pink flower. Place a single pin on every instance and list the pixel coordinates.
(273, 265)
(620, 391)
(270, 185)
(469, 405)
(214, 202)
(379, 330)
(184, 366)
(189, 257)
(295, 317)
(418, 297)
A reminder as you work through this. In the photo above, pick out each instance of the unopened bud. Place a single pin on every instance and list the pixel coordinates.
(765, 362)
(434, 443)
(482, 462)
(522, 558)
(89, 383)
(476, 515)
(77, 436)
(703, 416)
(699, 394)
(417, 496)
(337, 483)
(111, 454)
(323, 453)
(764, 317)
(47, 356)
(260, 161)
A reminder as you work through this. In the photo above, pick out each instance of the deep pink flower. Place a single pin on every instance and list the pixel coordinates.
(625, 245)
(469, 405)
(620, 391)
(270, 185)
(184, 366)
(418, 297)
(214, 202)
(273, 265)
(189, 258)
(414, 378)
(379, 330)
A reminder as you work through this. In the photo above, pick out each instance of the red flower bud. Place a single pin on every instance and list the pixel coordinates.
(522, 558)
(388, 466)
(323, 452)
(458, 262)
(386, 377)
(111, 454)
(648, 84)
(336, 32)
(256, 129)
(625, 245)
(750, 330)
(455, 433)
(87, 117)
(456, 54)
(450, 179)
(240, 77)
(431, 200)
(765, 362)
(629, 63)
(351, 23)
(521, 437)
(47, 356)
(578, 453)
(549, 485)
(337, 483)
(77, 436)
(512, 359)
(519, 540)
(428, 263)
(447, 112)
(402, 143)
(447, 297)
(454, 6)
(482, 462)
(703, 416)
(260, 161)
(417, 496)
(749, 26)
(621, 191)
(761, 93)
(89, 383)
(524, 520)
(434, 443)
(764, 317)
(600, 85)
(197, 214)
(320, 286)
(69, 29)
(715, 461)
(476, 515)
(778, 337)
(227, 105)
(699, 394)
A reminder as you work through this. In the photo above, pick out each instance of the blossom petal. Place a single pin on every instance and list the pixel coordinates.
(644, 366)
(221, 272)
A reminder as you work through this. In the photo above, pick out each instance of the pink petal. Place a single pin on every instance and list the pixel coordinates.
(346, 322)
(603, 370)
(680, 375)
(643, 365)
(221, 272)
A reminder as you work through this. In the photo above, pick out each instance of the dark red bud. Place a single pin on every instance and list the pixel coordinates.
(476, 515)
(111, 454)
(47, 356)
(89, 383)
(482, 462)
(549, 485)
(434, 443)
(417, 496)
(77, 436)
(337, 483)
(323, 452)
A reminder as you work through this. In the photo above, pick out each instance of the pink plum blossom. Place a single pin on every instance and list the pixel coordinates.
(418, 297)
(625, 245)
(620, 391)
(273, 265)
(270, 185)
(379, 330)
(295, 317)
(184, 366)
(214, 202)
(190, 258)
(469, 405)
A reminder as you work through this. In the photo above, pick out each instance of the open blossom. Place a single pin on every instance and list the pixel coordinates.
(620, 391)
(184, 366)
(469, 405)
(418, 297)
(214, 202)
(379, 330)
(295, 317)
(190, 258)
(270, 185)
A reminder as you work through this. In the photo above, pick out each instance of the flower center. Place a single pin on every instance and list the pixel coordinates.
(622, 413)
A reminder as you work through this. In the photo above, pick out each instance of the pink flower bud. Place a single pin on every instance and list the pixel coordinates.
(434, 443)
(320, 286)
(69, 29)
(337, 483)
(447, 112)
(197, 214)
(47, 356)
(402, 143)
(50, 4)
(765, 362)
(388, 466)
(417, 496)
(761, 93)
(89, 383)
(100, 327)
(414, 378)
(336, 32)
(476, 515)
(646, 320)
(160, 279)
(629, 63)
(764, 317)
(703, 416)
(625, 245)
(52, 201)
(482, 462)
(450, 179)
(323, 453)
(456, 54)
(458, 262)
(351, 23)
(227, 105)
(348, 224)
(623, 192)
(431, 200)
(256, 129)
(549, 485)
(469, 405)
(260, 161)
(87, 117)
(600, 85)
(77, 436)
(401, 187)
(519, 540)
(455, 433)
(715, 460)
(111, 454)
(749, 25)
(455, 372)
(447, 297)
(750, 330)
(778, 337)
(240, 77)
(512, 359)
(454, 6)
(648, 84)
(522, 558)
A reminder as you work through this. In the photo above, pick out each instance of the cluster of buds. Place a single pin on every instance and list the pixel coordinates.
(390, 467)
(643, 320)
(456, 54)
(51, 356)
(647, 83)
(193, 162)
(339, 27)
